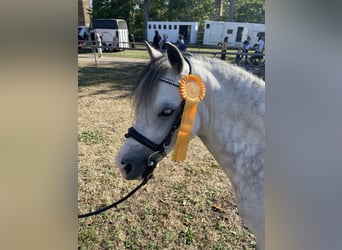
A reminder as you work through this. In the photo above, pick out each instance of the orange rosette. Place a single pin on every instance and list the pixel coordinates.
(192, 90)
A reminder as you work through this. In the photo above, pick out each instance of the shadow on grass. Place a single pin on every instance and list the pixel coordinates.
(119, 75)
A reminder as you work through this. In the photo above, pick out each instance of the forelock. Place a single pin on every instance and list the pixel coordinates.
(145, 88)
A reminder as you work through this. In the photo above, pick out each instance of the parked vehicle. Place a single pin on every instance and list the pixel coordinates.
(215, 31)
(113, 33)
(189, 30)
(82, 32)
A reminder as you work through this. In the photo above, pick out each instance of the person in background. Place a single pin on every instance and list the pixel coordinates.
(98, 42)
(245, 48)
(180, 43)
(163, 41)
(258, 51)
(92, 38)
(131, 40)
(224, 48)
(156, 39)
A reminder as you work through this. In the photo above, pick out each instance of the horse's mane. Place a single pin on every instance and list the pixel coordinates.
(230, 71)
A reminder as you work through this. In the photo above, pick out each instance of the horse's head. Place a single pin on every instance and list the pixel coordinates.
(159, 107)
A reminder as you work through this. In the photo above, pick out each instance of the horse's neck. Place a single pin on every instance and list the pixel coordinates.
(232, 118)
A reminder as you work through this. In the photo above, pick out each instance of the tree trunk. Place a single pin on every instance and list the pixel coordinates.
(146, 15)
(231, 10)
(218, 9)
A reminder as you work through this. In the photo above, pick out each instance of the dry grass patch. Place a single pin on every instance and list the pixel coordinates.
(187, 205)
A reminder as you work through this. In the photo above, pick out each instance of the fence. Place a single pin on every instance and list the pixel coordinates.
(199, 49)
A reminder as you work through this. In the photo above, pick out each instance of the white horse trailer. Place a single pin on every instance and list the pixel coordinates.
(188, 29)
(216, 31)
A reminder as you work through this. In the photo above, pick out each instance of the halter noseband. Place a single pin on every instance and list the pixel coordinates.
(159, 149)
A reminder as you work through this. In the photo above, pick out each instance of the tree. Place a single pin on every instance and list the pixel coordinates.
(120, 9)
(190, 10)
(252, 11)
(145, 11)
(146, 16)
(231, 10)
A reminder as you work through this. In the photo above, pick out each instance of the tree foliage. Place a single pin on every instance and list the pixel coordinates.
(190, 10)
(252, 11)
(121, 9)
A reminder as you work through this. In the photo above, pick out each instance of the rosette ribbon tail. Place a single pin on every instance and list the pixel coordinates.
(192, 90)
(185, 131)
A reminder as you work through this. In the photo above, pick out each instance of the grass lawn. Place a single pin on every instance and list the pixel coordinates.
(140, 52)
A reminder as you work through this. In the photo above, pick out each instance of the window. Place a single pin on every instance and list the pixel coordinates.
(170, 26)
(149, 26)
(208, 26)
(261, 34)
(108, 24)
(159, 26)
(175, 27)
(154, 26)
(230, 31)
(239, 34)
(164, 26)
(122, 24)
(104, 24)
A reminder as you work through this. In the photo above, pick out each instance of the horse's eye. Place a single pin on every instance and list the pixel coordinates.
(166, 112)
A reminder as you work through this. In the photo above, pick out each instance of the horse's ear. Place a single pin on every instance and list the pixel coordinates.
(175, 57)
(153, 52)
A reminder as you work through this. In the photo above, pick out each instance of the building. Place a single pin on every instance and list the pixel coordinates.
(83, 16)
(216, 31)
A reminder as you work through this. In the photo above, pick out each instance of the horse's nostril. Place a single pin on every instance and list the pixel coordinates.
(128, 166)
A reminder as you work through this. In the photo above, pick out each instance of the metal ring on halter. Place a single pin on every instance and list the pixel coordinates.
(151, 161)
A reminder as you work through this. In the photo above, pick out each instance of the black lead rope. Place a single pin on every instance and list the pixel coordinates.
(148, 175)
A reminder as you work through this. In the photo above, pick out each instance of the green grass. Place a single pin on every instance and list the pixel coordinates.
(188, 233)
(142, 54)
(91, 137)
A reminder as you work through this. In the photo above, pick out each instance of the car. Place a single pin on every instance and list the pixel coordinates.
(81, 42)
(82, 32)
